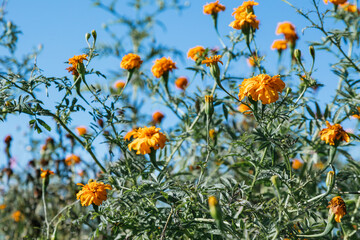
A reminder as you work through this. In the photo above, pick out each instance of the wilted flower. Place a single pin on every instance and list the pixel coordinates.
(213, 8)
(338, 207)
(119, 84)
(8, 139)
(72, 159)
(131, 61)
(162, 66)
(279, 45)
(81, 130)
(74, 61)
(288, 29)
(145, 139)
(158, 117)
(181, 83)
(46, 173)
(17, 216)
(196, 52)
(297, 164)
(93, 192)
(334, 134)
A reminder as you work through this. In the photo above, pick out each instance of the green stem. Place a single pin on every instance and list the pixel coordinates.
(257, 170)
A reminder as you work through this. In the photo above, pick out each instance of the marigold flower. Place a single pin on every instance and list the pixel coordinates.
(93, 192)
(181, 83)
(245, 7)
(212, 133)
(336, 2)
(146, 138)
(46, 173)
(279, 45)
(244, 109)
(74, 61)
(213, 8)
(119, 84)
(72, 159)
(158, 117)
(252, 60)
(245, 20)
(212, 60)
(357, 115)
(162, 66)
(17, 216)
(319, 165)
(213, 201)
(196, 52)
(334, 133)
(348, 7)
(297, 164)
(131, 61)
(81, 130)
(81, 173)
(2, 206)
(262, 87)
(288, 29)
(338, 207)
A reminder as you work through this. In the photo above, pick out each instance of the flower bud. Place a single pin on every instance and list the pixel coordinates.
(209, 105)
(215, 72)
(312, 51)
(214, 208)
(297, 55)
(94, 34)
(330, 178)
(275, 181)
(87, 36)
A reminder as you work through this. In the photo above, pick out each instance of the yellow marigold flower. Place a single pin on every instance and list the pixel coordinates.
(131, 61)
(181, 83)
(338, 207)
(146, 139)
(158, 117)
(350, 8)
(212, 60)
(244, 109)
(93, 192)
(245, 7)
(356, 115)
(279, 45)
(334, 133)
(336, 2)
(297, 164)
(212, 133)
(213, 8)
(288, 29)
(81, 130)
(196, 52)
(119, 84)
(245, 20)
(46, 173)
(2, 206)
(72, 159)
(17, 216)
(261, 87)
(213, 201)
(162, 66)
(74, 61)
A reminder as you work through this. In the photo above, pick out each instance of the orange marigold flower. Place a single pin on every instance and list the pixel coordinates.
(279, 45)
(145, 139)
(334, 133)
(2, 206)
(131, 61)
(212, 60)
(244, 109)
(181, 83)
(288, 29)
(46, 173)
(297, 164)
(212, 133)
(245, 7)
(72, 159)
(350, 8)
(74, 61)
(357, 115)
(162, 66)
(338, 207)
(119, 84)
(245, 20)
(319, 165)
(213, 201)
(17, 216)
(262, 87)
(93, 192)
(213, 8)
(251, 60)
(81, 130)
(158, 117)
(336, 2)
(196, 52)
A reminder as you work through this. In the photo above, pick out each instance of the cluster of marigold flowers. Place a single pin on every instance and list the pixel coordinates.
(345, 5)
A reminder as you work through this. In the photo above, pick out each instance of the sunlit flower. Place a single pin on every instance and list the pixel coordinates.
(338, 207)
(244, 109)
(212, 60)
(319, 165)
(158, 117)
(46, 173)
(161, 66)
(357, 115)
(252, 60)
(74, 61)
(336, 2)
(245, 7)
(212, 133)
(93, 192)
(279, 45)
(119, 84)
(262, 87)
(348, 7)
(81, 130)
(213, 8)
(131, 61)
(145, 139)
(297, 164)
(245, 20)
(196, 52)
(2, 206)
(334, 133)
(17, 216)
(181, 83)
(288, 29)
(72, 159)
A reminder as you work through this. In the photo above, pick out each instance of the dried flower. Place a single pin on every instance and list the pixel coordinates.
(334, 134)
(213, 8)
(93, 192)
(72, 159)
(338, 207)
(288, 29)
(162, 66)
(279, 45)
(145, 139)
(131, 61)
(46, 173)
(181, 83)
(8, 139)
(297, 164)
(81, 130)
(119, 84)
(158, 117)
(17, 216)
(196, 52)
(261, 87)
(244, 109)
(74, 61)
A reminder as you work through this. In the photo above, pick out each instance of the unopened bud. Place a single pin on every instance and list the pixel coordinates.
(297, 55)
(275, 181)
(94, 34)
(209, 105)
(214, 208)
(330, 178)
(87, 36)
(312, 52)
(288, 91)
(215, 72)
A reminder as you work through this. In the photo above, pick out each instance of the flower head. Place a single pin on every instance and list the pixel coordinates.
(46, 173)
(161, 66)
(357, 115)
(297, 164)
(2, 206)
(279, 45)
(246, 7)
(251, 61)
(119, 84)
(262, 87)
(212, 60)
(72, 159)
(334, 134)
(181, 83)
(145, 139)
(158, 117)
(196, 52)
(245, 20)
(17, 216)
(288, 29)
(212, 133)
(93, 192)
(244, 109)
(131, 61)
(74, 61)
(348, 7)
(213, 8)
(81, 130)
(338, 207)
(336, 2)
(213, 201)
